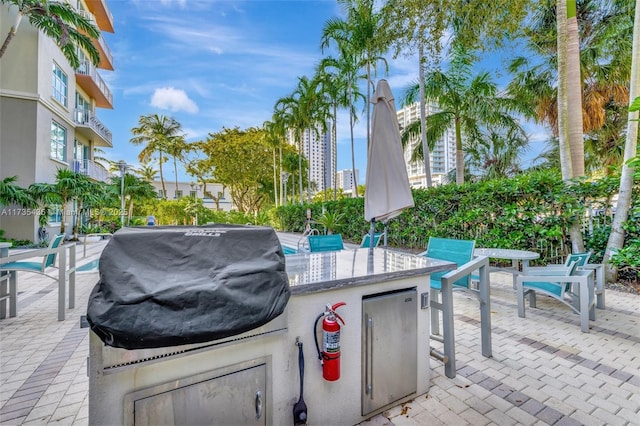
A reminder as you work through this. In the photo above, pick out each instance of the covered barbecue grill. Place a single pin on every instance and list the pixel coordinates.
(169, 286)
(169, 292)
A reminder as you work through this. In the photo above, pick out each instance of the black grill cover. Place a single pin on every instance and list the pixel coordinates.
(167, 286)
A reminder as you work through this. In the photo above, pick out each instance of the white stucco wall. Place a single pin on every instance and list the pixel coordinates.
(329, 403)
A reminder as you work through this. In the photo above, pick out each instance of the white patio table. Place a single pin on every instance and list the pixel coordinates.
(519, 259)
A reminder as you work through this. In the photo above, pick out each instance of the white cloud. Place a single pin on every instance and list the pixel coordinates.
(173, 99)
(181, 3)
(195, 133)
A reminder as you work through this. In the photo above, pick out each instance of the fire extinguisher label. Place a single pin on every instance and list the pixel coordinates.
(331, 341)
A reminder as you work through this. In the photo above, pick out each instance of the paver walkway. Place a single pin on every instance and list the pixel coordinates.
(544, 371)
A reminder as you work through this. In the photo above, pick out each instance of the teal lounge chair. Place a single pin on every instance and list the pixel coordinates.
(332, 242)
(570, 285)
(11, 268)
(38, 267)
(583, 263)
(376, 239)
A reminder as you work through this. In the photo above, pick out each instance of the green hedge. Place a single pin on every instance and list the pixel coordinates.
(532, 211)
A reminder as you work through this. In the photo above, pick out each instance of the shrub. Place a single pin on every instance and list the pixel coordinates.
(532, 211)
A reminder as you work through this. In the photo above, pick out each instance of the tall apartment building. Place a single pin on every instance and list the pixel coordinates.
(443, 156)
(318, 150)
(48, 111)
(345, 179)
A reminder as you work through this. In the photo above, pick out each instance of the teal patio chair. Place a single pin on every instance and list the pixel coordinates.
(332, 242)
(11, 268)
(48, 260)
(367, 238)
(583, 263)
(572, 286)
(460, 252)
(581, 259)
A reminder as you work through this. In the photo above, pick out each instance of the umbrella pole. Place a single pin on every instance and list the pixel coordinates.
(385, 233)
(372, 234)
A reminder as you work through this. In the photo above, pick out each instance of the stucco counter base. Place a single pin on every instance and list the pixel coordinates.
(315, 279)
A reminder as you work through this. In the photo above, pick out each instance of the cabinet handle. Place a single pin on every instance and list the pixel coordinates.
(369, 359)
(258, 404)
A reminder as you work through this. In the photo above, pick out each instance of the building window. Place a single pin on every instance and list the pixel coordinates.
(58, 142)
(55, 213)
(83, 109)
(160, 193)
(178, 194)
(80, 156)
(59, 85)
(192, 194)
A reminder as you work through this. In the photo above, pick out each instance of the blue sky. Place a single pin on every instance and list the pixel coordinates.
(211, 64)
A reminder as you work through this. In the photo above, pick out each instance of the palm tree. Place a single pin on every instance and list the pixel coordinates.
(288, 112)
(338, 79)
(616, 238)
(59, 21)
(290, 163)
(329, 87)
(315, 112)
(467, 103)
(10, 193)
(68, 186)
(98, 198)
(605, 52)
(303, 110)
(135, 189)
(569, 96)
(155, 131)
(99, 159)
(498, 154)
(147, 172)
(411, 31)
(86, 194)
(363, 32)
(574, 91)
(274, 134)
(177, 147)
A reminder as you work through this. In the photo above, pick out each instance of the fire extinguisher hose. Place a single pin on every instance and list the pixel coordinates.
(315, 337)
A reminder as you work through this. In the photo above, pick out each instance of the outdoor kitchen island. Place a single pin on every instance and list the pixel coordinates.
(254, 377)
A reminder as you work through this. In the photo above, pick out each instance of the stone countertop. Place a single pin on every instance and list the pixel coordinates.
(314, 272)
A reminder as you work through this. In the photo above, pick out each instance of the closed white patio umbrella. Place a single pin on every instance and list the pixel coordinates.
(388, 191)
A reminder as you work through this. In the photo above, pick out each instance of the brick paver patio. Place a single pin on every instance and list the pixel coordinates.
(544, 371)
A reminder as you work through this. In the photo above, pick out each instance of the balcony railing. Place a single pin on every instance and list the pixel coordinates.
(88, 16)
(103, 14)
(88, 119)
(107, 61)
(106, 50)
(100, 92)
(91, 169)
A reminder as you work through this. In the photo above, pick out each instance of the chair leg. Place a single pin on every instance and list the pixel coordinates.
(592, 303)
(448, 336)
(584, 305)
(532, 299)
(600, 287)
(435, 313)
(484, 291)
(4, 295)
(13, 294)
(520, 298)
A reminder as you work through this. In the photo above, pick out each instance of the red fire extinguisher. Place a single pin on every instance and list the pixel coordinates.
(330, 355)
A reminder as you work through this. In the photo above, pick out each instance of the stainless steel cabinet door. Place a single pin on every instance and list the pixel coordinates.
(389, 346)
(233, 399)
